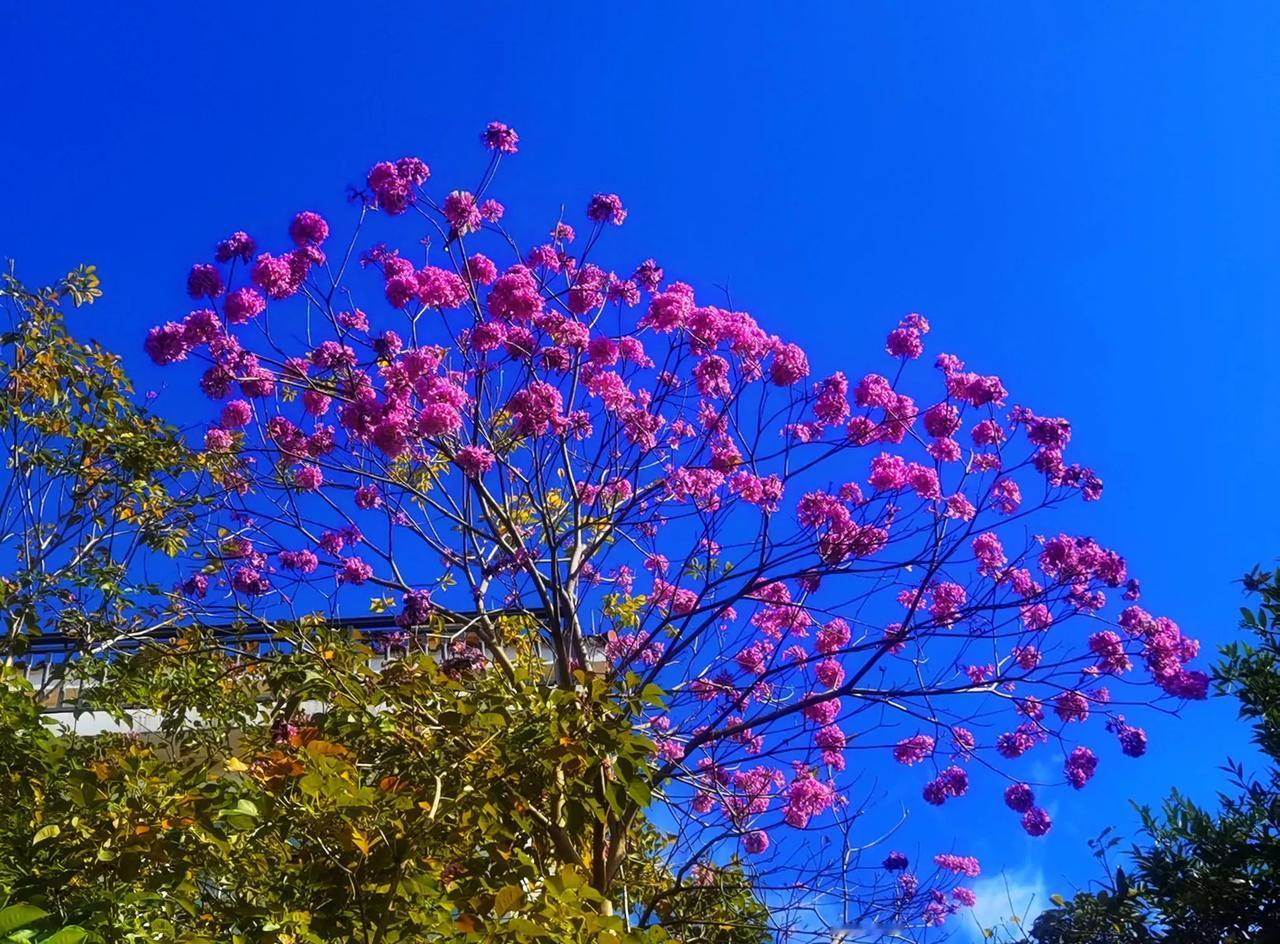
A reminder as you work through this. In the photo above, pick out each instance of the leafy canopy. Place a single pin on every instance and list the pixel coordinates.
(1203, 874)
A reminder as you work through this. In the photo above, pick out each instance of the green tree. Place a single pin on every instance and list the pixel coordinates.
(1203, 874)
(95, 489)
(299, 791)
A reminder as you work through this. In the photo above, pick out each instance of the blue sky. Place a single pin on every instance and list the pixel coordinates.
(1082, 198)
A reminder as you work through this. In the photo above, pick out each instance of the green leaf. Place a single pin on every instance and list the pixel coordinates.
(247, 807)
(68, 935)
(653, 695)
(526, 927)
(19, 916)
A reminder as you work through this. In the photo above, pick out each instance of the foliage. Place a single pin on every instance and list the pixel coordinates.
(21, 924)
(304, 790)
(94, 485)
(1203, 874)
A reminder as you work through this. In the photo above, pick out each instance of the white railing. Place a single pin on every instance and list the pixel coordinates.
(44, 666)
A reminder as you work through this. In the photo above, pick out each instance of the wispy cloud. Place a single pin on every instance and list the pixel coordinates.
(1020, 892)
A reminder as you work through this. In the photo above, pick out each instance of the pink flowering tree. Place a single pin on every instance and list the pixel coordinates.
(830, 589)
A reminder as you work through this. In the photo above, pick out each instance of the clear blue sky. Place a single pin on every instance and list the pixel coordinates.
(1083, 198)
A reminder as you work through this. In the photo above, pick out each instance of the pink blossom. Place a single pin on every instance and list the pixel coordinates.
(830, 738)
(905, 343)
(392, 184)
(833, 636)
(923, 481)
(1014, 743)
(167, 344)
(278, 276)
(482, 270)
(888, 472)
(989, 552)
(962, 865)
(1036, 821)
(236, 246)
(1006, 496)
(243, 305)
(806, 797)
(537, 409)
(236, 414)
(354, 571)
(515, 295)
(764, 493)
(648, 275)
(308, 228)
(1019, 797)
(440, 288)
(1133, 741)
(474, 461)
(201, 327)
(217, 440)
(952, 782)
(941, 420)
(895, 862)
(987, 433)
(913, 750)
(204, 282)
(976, 390)
(960, 508)
(829, 673)
(1072, 706)
(249, 581)
(822, 712)
(755, 842)
(790, 366)
(461, 211)
(946, 599)
(501, 138)
(669, 310)
(1109, 648)
(1080, 767)
(308, 477)
(606, 208)
(304, 561)
(1027, 657)
(831, 403)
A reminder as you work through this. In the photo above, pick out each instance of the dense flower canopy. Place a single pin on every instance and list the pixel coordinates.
(805, 565)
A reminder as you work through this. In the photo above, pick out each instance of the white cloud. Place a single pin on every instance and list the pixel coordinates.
(1020, 892)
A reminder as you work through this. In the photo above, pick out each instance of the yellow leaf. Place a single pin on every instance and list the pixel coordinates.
(361, 841)
(320, 748)
(509, 898)
(237, 765)
(46, 832)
